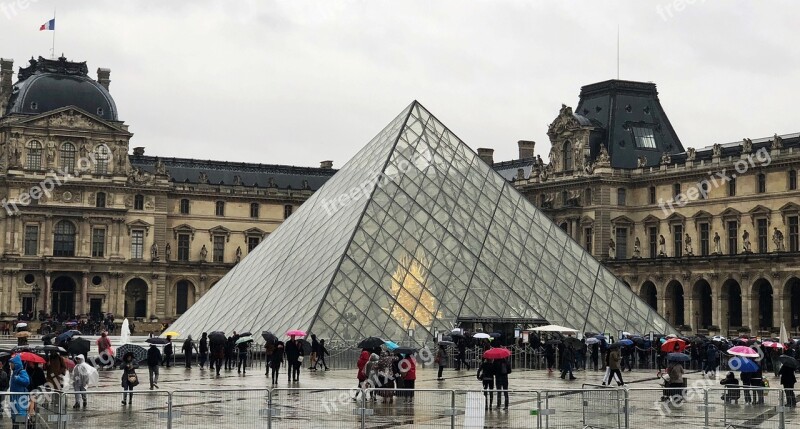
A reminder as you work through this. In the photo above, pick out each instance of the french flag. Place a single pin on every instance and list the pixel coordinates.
(49, 25)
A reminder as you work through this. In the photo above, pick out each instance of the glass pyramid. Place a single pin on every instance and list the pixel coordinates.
(411, 235)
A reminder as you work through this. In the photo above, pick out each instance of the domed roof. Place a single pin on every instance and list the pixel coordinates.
(47, 85)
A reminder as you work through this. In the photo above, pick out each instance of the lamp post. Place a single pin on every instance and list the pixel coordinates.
(36, 292)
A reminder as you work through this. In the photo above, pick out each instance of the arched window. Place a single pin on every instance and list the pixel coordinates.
(67, 158)
(138, 202)
(182, 297)
(34, 155)
(567, 155)
(100, 200)
(64, 239)
(101, 159)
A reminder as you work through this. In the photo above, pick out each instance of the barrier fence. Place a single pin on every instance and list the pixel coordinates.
(589, 407)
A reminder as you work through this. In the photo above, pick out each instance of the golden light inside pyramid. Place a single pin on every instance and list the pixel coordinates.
(409, 286)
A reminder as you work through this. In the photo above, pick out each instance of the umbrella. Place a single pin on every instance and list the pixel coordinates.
(496, 353)
(552, 342)
(23, 334)
(48, 338)
(22, 325)
(446, 343)
(246, 334)
(48, 349)
(305, 345)
(573, 342)
(247, 339)
(615, 345)
(638, 340)
(678, 357)
(31, 357)
(62, 338)
(138, 352)
(626, 334)
(405, 350)
(269, 337)
(600, 337)
(79, 346)
(156, 341)
(172, 334)
(593, 340)
(217, 337)
(495, 335)
(296, 333)
(626, 342)
(742, 364)
(789, 361)
(391, 345)
(482, 336)
(673, 345)
(69, 364)
(4, 354)
(671, 336)
(458, 332)
(554, 328)
(72, 323)
(742, 351)
(370, 343)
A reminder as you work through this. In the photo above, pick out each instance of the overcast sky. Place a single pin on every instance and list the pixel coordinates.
(297, 82)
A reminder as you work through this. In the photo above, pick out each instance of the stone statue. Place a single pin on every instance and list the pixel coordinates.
(16, 157)
(641, 162)
(203, 177)
(122, 155)
(588, 166)
(716, 150)
(717, 247)
(746, 242)
(238, 255)
(777, 238)
(306, 185)
(603, 157)
(160, 167)
(688, 245)
(554, 156)
(82, 151)
(662, 245)
(637, 245)
(777, 142)
(666, 158)
(539, 162)
(543, 175)
(691, 153)
(167, 252)
(747, 146)
(203, 253)
(154, 252)
(237, 180)
(612, 249)
(51, 151)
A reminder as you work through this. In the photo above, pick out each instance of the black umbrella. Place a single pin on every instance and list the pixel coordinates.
(573, 342)
(615, 345)
(552, 342)
(405, 350)
(79, 346)
(678, 357)
(789, 361)
(48, 339)
(495, 335)
(20, 349)
(370, 343)
(306, 346)
(269, 337)
(156, 341)
(49, 349)
(246, 334)
(138, 352)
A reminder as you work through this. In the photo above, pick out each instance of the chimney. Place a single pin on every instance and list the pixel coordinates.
(327, 165)
(138, 151)
(526, 148)
(104, 77)
(6, 73)
(487, 155)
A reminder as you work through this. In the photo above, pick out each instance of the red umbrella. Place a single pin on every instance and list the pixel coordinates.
(69, 363)
(31, 357)
(496, 353)
(673, 345)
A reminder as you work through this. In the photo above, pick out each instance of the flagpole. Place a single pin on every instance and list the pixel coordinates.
(53, 49)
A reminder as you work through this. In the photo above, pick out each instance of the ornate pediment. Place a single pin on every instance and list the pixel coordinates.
(71, 118)
(676, 218)
(565, 121)
(219, 230)
(139, 224)
(255, 232)
(622, 220)
(702, 214)
(650, 219)
(731, 213)
(183, 229)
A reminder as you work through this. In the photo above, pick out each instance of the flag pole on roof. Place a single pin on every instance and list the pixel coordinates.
(51, 26)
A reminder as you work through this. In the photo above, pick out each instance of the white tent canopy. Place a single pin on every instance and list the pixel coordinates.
(554, 328)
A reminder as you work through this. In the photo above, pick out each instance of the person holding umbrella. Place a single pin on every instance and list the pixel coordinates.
(129, 378)
(788, 380)
(567, 357)
(167, 358)
(243, 346)
(188, 349)
(217, 340)
(502, 368)
(276, 359)
(153, 359)
(294, 353)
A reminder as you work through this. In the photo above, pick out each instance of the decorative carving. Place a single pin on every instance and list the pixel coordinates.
(745, 276)
(746, 242)
(776, 275)
(716, 150)
(666, 158)
(160, 167)
(612, 249)
(691, 154)
(777, 238)
(688, 245)
(637, 249)
(747, 145)
(662, 245)
(271, 182)
(714, 276)
(717, 247)
(641, 162)
(202, 177)
(128, 200)
(237, 180)
(777, 142)
(149, 203)
(167, 252)
(51, 151)
(306, 185)
(203, 253)
(588, 167)
(686, 276)
(238, 255)
(603, 158)
(138, 176)
(154, 252)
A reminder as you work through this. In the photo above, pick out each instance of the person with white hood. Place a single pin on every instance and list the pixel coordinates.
(82, 376)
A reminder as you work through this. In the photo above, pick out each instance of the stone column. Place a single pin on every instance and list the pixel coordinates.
(777, 307)
(689, 307)
(85, 293)
(120, 303)
(46, 292)
(748, 316)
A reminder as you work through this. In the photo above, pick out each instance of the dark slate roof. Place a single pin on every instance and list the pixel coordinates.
(184, 170)
(508, 169)
(617, 105)
(46, 85)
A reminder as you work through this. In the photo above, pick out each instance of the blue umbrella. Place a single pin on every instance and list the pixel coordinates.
(391, 345)
(600, 337)
(742, 364)
(678, 357)
(626, 342)
(67, 335)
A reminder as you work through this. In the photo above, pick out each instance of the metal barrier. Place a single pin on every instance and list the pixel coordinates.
(317, 408)
(148, 409)
(225, 408)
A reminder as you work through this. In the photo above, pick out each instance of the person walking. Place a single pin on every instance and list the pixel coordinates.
(441, 360)
(217, 355)
(614, 360)
(314, 353)
(361, 365)
(167, 358)
(567, 357)
(129, 378)
(502, 368)
(188, 351)
(104, 350)
(408, 368)
(242, 349)
(461, 358)
(371, 369)
(18, 384)
(230, 350)
(269, 349)
(293, 352)
(486, 376)
(595, 355)
(203, 350)
(712, 361)
(550, 357)
(153, 359)
(788, 380)
(321, 355)
(276, 359)
(81, 377)
(746, 377)
(757, 384)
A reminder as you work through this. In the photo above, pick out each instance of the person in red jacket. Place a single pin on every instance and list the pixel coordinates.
(362, 375)
(408, 370)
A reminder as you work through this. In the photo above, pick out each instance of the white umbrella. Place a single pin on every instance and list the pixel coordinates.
(626, 334)
(592, 340)
(482, 336)
(22, 325)
(554, 328)
(784, 336)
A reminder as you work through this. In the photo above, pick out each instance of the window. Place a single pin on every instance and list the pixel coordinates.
(182, 297)
(254, 210)
(792, 180)
(220, 208)
(34, 155)
(566, 153)
(761, 185)
(67, 158)
(704, 238)
(644, 137)
(588, 196)
(98, 242)
(652, 234)
(252, 243)
(677, 237)
(652, 195)
(31, 240)
(287, 211)
(622, 243)
(794, 233)
(733, 237)
(761, 230)
(183, 247)
(621, 196)
(64, 239)
(219, 248)
(184, 206)
(100, 199)
(732, 187)
(137, 244)
(588, 239)
(703, 190)
(101, 159)
(138, 202)
(676, 190)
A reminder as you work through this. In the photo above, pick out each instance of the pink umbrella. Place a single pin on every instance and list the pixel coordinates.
(743, 351)
(296, 333)
(768, 343)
